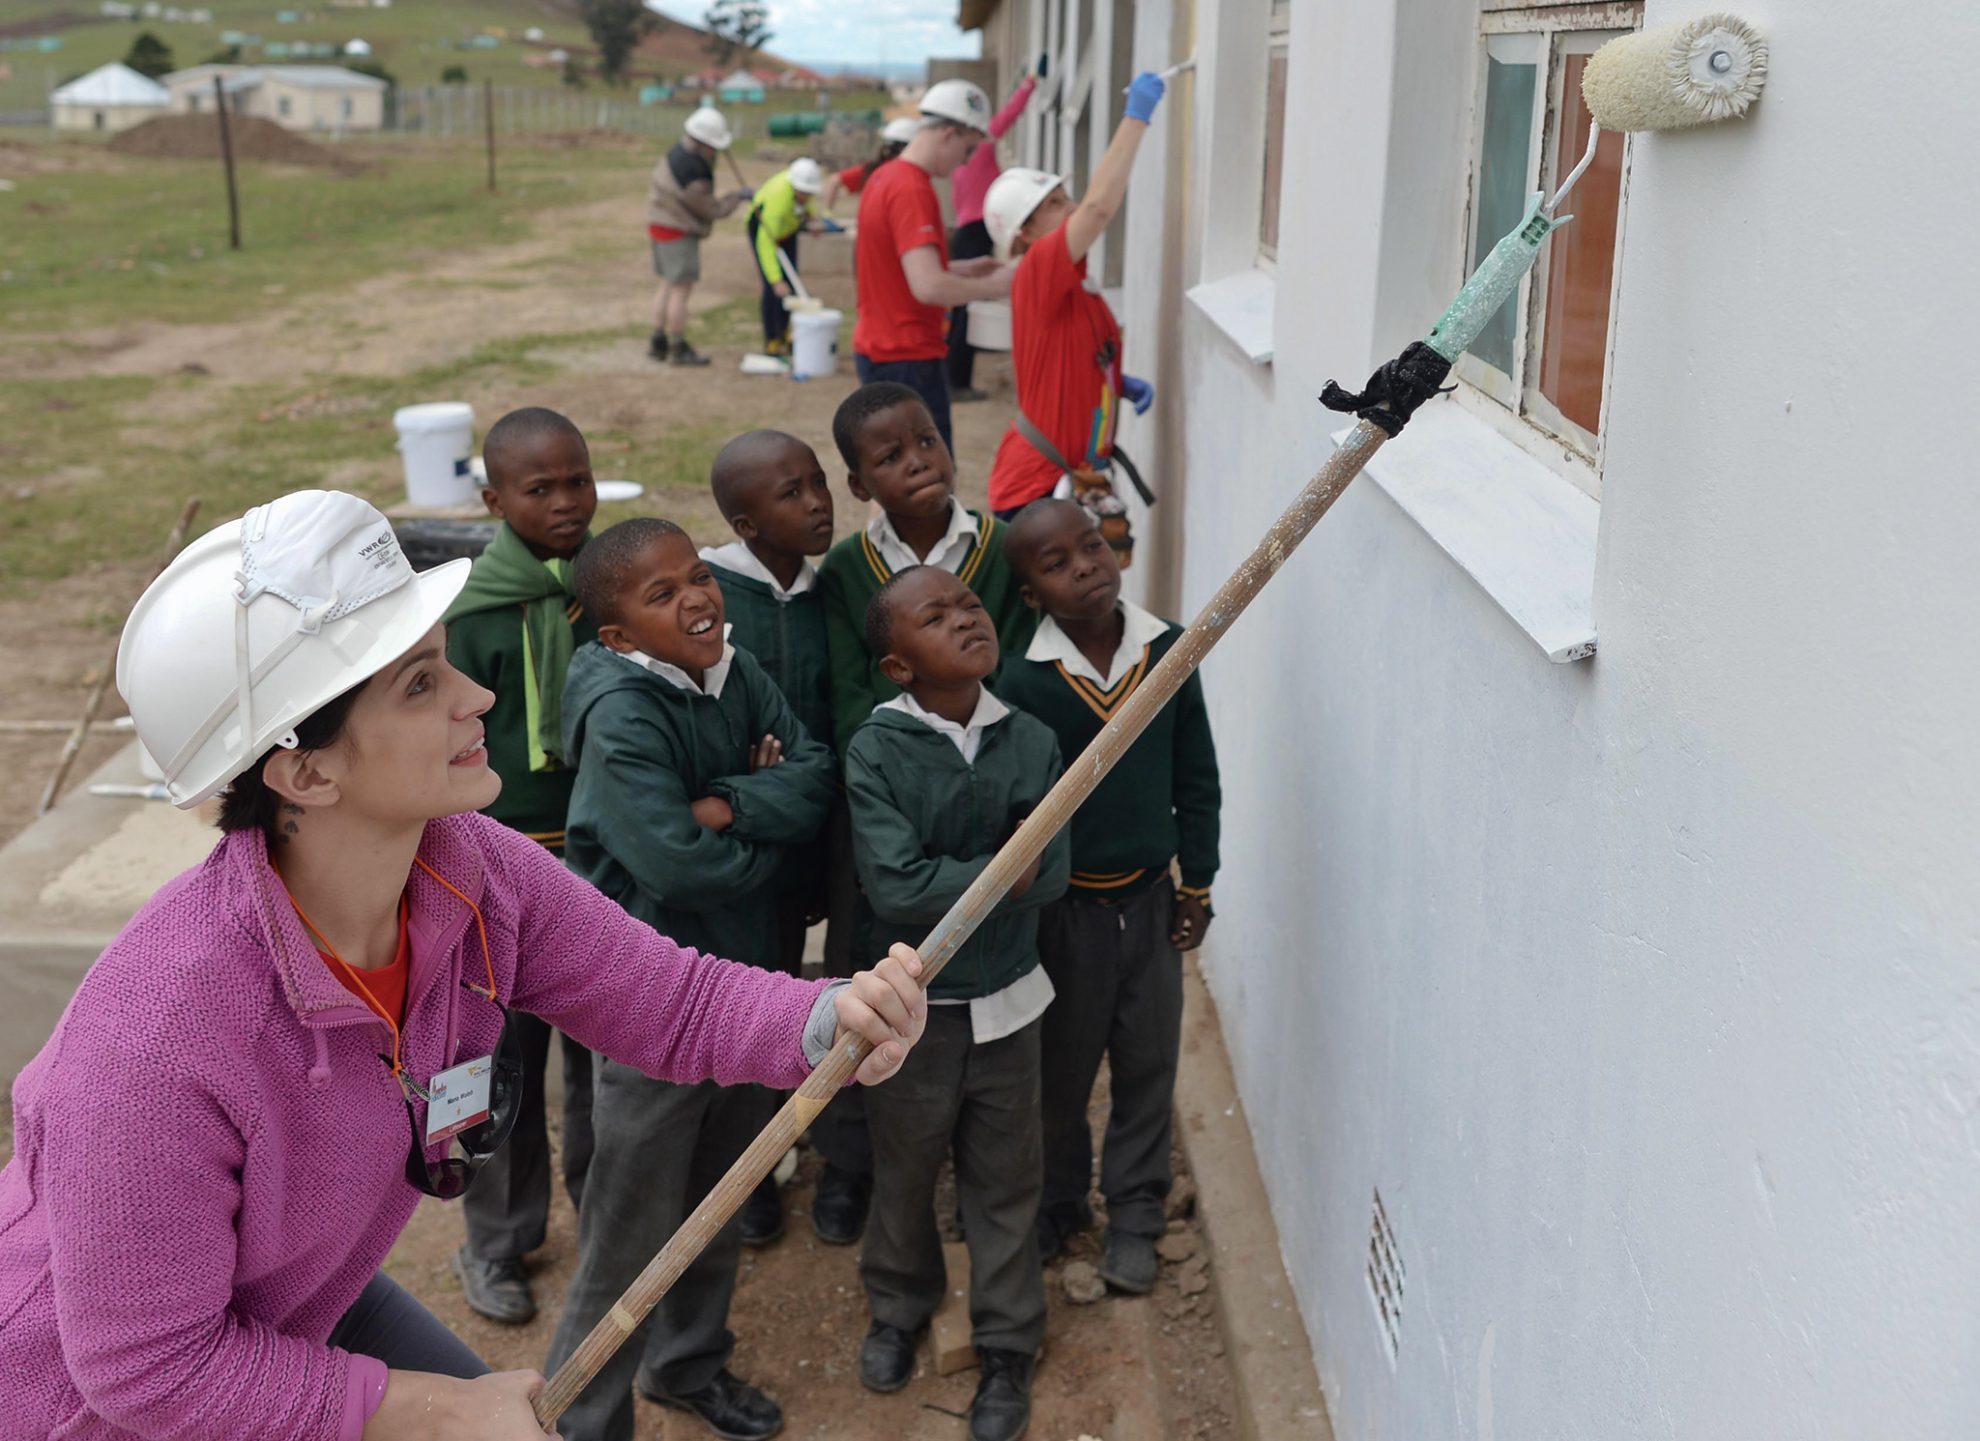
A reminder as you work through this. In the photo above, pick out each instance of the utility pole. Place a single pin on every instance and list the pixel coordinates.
(488, 116)
(227, 157)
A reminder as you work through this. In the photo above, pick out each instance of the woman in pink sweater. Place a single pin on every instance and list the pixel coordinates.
(967, 187)
(231, 1124)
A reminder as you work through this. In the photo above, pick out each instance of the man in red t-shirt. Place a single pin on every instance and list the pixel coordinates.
(901, 259)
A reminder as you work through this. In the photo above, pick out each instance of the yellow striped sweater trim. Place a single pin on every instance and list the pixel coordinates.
(986, 526)
(1106, 880)
(1104, 703)
(1194, 893)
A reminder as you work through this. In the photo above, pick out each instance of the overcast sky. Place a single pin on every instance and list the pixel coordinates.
(866, 32)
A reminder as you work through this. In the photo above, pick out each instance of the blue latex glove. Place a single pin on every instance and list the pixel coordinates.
(831, 226)
(1144, 95)
(1044, 64)
(1134, 390)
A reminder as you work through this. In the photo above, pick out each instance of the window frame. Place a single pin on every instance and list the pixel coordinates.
(1278, 46)
(1514, 402)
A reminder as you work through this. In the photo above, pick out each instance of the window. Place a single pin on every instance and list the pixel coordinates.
(1278, 41)
(282, 105)
(344, 107)
(1544, 356)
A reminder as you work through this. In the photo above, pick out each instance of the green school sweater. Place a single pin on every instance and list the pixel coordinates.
(1161, 799)
(850, 574)
(787, 637)
(645, 750)
(925, 823)
(487, 647)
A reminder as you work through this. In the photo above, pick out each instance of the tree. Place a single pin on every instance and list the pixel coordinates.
(617, 27)
(150, 56)
(454, 75)
(573, 73)
(737, 27)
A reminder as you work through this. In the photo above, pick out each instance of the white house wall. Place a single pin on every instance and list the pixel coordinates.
(1644, 989)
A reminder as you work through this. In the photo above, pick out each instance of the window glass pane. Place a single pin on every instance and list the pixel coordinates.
(1502, 171)
(1275, 149)
(1581, 264)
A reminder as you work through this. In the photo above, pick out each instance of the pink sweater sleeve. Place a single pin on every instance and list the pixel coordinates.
(1004, 119)
(972, 179)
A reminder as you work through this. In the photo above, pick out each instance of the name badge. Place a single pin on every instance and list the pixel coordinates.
(459, 1099)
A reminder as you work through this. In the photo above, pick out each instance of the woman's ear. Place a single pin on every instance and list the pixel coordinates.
(897, 670)
(303, 778)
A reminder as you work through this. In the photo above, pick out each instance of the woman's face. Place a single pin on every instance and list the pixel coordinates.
(412, 749)
(1049, 216)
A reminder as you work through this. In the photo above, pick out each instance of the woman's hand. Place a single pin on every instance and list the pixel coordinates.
(441, 1408)
(886, 1007)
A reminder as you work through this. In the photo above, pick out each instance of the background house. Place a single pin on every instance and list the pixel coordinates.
(740, 88)
(1599, 927)
(110, 97)
(297, 97)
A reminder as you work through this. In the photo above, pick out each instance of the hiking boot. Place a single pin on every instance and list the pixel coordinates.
(728, 1405)
(838, 1211)
(685, 354)
(1002, 1408)
(763, 1214)
(966, 394)
(657, 346)
(496, 1289)
(1129, 1263)
(886, 1357)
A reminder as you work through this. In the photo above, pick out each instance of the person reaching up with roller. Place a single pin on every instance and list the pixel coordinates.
(681, 209)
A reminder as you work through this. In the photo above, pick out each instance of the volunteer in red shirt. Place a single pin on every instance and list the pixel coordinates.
(1065, 342)
(901, 259)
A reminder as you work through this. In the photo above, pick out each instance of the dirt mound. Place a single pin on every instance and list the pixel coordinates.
(197, 137)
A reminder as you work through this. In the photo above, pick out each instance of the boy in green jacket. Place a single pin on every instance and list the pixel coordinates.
(1113, 945)
(772, 491)
(895, 457)
(513, 630)
(694, 778)
(937, 780)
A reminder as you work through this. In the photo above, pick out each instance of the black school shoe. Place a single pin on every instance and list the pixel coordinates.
(685, 354)
(1129, 1263)
(1002, 1408)
(886, 1357)
(657, 346)
(729, 1406)
(763, 1214)
(838, 1211)
(498, 1290)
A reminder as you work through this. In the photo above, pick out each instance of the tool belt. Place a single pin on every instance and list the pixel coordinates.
(1093, 488)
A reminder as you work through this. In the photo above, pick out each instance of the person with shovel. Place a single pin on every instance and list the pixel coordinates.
(681, 209)
(297, 1039)
(780, 211)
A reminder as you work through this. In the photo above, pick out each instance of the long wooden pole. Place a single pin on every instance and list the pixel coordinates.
(73, 747)
(1078, 782)
(227, 158)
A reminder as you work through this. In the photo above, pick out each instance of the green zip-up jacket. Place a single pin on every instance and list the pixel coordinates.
(925, 823)
(850, 574)
(1162, 798)
(787, 637)
(645, 751)
(487, 647)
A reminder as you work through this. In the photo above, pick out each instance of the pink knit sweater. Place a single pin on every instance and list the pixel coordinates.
(972, 179)
(209, 1153)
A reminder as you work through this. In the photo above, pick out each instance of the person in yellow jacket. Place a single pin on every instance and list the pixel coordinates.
(780, 210)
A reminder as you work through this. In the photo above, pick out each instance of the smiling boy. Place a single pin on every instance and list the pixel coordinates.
(937, 779)
(694, 777)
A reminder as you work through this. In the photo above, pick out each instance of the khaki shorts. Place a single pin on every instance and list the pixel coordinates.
(678, 262)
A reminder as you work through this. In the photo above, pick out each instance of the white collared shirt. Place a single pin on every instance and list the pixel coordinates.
(968, 737)
(1049, 643)
(738, 557)
(712, 679)
(947, 553)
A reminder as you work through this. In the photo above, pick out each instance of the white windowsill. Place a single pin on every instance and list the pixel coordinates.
(1523, 533)
(1241, 306)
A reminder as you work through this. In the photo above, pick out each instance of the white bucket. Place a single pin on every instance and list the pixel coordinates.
(814, 343)
(990, 324)
(437, 441)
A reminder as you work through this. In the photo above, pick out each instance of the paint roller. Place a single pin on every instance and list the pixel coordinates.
(1667, 79)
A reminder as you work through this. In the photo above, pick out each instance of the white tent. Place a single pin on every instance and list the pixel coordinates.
(110, 97)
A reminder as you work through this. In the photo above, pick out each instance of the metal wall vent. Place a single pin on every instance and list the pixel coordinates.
(1385, 1279)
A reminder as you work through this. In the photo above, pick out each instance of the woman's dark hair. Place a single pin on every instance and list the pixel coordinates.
(248, 804)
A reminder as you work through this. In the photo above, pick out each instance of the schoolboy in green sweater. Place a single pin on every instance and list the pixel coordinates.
(895, 457)
(773, 493)
(937, 779)
(693, 778)
(1112, 945)
(513, 629)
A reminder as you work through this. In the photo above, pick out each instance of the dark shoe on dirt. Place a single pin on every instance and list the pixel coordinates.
(496, 1289)
(886, 1357)
(838, 1211)
(763, 1214)
(1129, 1263)
(729, 1406)
(966, 394)
(1002, 1408)
(685, 354)
(1051, 1237)
(657, 346)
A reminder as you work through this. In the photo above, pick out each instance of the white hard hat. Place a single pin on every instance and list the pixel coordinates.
(900, 130)
(258, 624)
(807, 175)
(960, 101)
(1010, 201)
(709, 127)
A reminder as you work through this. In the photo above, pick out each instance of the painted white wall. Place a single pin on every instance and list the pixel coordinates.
(1645, 989)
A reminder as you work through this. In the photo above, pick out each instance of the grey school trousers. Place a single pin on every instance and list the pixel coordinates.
(387, 1323)
(981, 1101)
(661, 1147)
(508, 1207)
(839, 1131)
(1119, 985)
